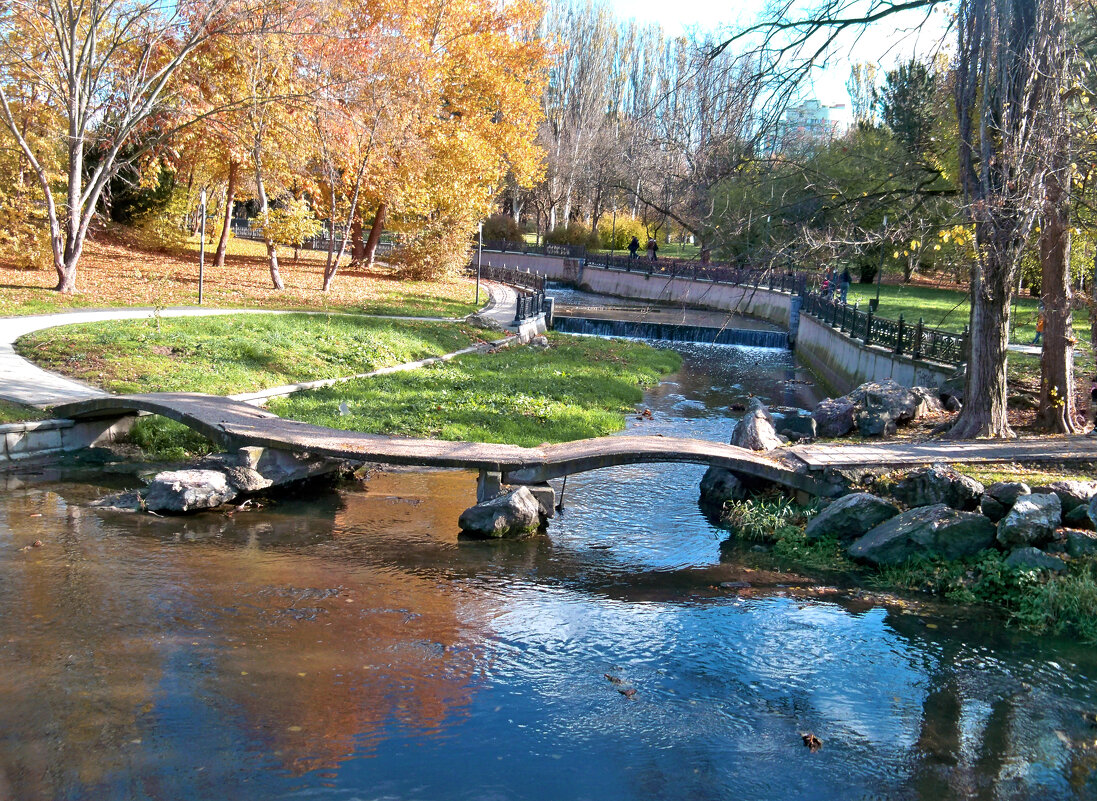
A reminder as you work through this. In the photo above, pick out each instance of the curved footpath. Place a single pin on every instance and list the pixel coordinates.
(24, 382)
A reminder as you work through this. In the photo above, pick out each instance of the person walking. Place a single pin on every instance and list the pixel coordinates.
(843, 281)
(633, 247)
(1039, 324)
(653, 248)
(1092, 411)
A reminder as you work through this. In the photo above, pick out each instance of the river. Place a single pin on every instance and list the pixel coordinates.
(352, 647)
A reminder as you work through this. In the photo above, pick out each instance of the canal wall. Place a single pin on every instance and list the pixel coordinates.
(43, 438)
(554, 268)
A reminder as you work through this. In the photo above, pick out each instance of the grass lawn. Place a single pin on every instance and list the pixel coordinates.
(580, 387)
(939, 308)
(235, 353)
(112, 274)
(17, 413)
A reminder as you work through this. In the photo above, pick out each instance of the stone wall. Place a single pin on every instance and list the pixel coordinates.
(843, 363)
(552, 267)
(41, 438)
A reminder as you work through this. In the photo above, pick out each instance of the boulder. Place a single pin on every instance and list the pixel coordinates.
(928, 402)
(1007, 492)
(120, 502)
(1032, 521)
(755, 431)
(1080, 543)
(951, 392)
(797, 425)
(188, 491)
(875, 422)
(992, 510)
(1072, 494)
(888, 396)
(539, 342)
(720, 485)
(1029, 558)
(484, 322)
(512, 514)
(1078, 517)
(937, 530)
(850, 517)
(834, 417)
(927, 486)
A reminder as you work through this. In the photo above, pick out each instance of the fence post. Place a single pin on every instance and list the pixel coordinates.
(916, 351)
(965, 344)
(868, 327)
(899, 339)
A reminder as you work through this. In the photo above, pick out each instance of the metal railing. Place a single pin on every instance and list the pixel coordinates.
(720, 273)
(524, 248)
(246, 229)
(898, 336)
(530, 286)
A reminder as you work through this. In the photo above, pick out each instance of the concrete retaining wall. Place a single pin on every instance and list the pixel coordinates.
(843, 363)
(552, 267)
(764, 304)
(41, 438)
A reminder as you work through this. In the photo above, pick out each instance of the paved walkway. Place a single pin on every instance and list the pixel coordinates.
(26, 383)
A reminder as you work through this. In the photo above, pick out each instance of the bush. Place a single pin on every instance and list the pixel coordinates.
(439, 247)
(162, 228)
(24, 233)
(291, 223)
(502, 228)
(626, 229)
(574, 233)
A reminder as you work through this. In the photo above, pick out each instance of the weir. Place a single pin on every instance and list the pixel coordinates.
(671, 332)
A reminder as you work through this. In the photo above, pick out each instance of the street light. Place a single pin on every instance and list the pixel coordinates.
(875, 304)
(479, 257)
(613, 234)
(202, 248)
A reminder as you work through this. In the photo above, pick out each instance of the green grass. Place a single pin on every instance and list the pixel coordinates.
(989, 474)
(580, 387)
(165, 440)
(17, 413)
(234, 353)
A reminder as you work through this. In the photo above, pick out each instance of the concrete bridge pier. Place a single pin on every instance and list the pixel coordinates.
(489, 484)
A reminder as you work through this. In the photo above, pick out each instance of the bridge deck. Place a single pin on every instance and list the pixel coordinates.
(234, 424)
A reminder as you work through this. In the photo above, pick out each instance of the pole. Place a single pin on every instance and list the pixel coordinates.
(479, 258)
(880, 272)
(613, 234)
(202, 249)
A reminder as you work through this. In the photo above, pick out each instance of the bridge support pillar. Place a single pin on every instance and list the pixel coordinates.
(488, 485)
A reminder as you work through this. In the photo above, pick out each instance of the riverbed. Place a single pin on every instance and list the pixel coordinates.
(352, 646)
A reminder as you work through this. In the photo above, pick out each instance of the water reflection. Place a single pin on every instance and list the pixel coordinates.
(354, 647)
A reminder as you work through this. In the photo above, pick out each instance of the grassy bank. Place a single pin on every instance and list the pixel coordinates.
(580, 387)
(17, 413)
(234, 353)
(1063, 604)
(112, 274)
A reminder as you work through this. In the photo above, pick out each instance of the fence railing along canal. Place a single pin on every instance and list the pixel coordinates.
(530, 288)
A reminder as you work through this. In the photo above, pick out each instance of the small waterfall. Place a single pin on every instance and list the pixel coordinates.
(671, 332)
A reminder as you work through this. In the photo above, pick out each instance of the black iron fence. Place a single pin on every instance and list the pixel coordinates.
(530, 287)
(562, 251)
(247, 229)
(899, 336)
(787, 281)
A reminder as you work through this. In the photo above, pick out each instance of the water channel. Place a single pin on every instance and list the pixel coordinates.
(352, 647)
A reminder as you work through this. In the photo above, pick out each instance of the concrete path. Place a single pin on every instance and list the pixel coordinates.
(1056, 449)
(26, 383)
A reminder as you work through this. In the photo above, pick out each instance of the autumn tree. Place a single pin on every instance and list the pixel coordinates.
(104, 68)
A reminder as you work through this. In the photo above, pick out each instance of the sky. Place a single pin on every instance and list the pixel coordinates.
(887, 44)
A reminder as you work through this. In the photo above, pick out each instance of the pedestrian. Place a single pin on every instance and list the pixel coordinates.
(1092, 411)
(1039, 324)
(653, 248)
(843, 281)
(633, 246)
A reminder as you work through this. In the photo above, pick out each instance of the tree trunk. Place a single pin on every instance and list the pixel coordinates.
(1057, 406)
(985, 412)
(358, 247)
(375, 232)
(264, 213)
(226, 229)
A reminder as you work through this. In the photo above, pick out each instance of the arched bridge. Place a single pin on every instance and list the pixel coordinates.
(234, 424)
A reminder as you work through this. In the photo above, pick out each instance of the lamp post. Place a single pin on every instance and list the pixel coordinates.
(202, 247)
(479, 257)
(875, 303)
(613, 235)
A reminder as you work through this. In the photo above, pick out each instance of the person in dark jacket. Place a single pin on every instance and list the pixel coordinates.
(653, 248)
(633, 247)
(843, 284)
(1092, 415)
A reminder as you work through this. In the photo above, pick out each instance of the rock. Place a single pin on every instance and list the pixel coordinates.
(1072, 494)
(1029, 558)
(992, 510)
(875, 423)
(1032, 521)
(755, 431)
(483, 321)
(1007, 492)
(937, 530)
(539, 342)
(512, 514)
(928, 402)
(834, 417)
(120, 502)
(953, 404)
(1080, 543)
(1078, 517)
(545, 496)
(796, 426)
(938, 484)
(889, 396)
(951, 392)
(188, 491)
(284, 467)
(850, 517)
(720, 485)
